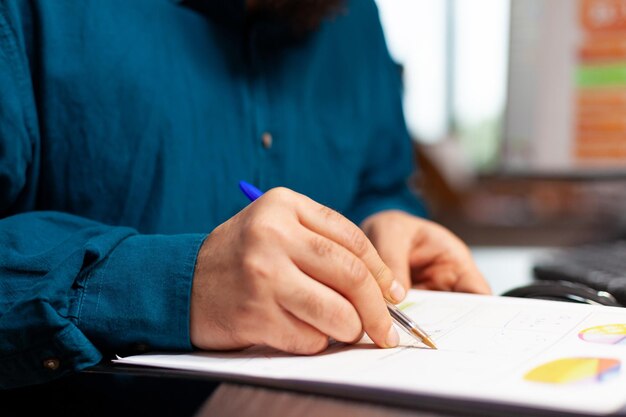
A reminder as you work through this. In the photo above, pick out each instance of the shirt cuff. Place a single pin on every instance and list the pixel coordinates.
(63, 349)
(139, 298)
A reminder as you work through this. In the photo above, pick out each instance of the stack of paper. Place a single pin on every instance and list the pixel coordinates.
(492, 350)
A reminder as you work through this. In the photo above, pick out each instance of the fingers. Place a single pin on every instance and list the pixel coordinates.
(472, 281)
(292, 335)
(437, 278)
(288, 273)
(446, 278)
(440, 261)
(319, 306)
(424, 252)
(333, 251)
(332, 225)
(337, 268)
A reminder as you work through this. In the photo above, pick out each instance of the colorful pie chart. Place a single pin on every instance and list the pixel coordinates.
(569, 371)
(608, 334)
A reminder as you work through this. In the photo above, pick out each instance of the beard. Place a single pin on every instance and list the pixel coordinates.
(300, 16)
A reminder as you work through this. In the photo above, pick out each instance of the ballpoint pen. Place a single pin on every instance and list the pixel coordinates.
(398, 316)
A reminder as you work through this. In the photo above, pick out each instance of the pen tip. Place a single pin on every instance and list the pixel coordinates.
(428, 342)
(423, 337)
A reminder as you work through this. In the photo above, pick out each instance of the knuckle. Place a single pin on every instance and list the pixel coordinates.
(327, 213)
(254, 230)
(321, 246)
(381, 272)
(280, 194)
(358, 242)
(357, 272)
(262, 229)
(257, 227)
(313, 305)
(276, 232)
(256, 267)
(450, 280)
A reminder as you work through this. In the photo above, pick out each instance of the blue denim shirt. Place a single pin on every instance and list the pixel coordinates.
(124, 129)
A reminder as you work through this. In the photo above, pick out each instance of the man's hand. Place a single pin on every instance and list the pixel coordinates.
(423, 254)
(289, 273)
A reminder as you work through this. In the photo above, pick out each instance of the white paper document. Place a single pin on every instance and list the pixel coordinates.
(528, 353)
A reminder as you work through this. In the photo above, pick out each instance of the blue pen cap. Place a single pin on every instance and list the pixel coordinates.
(250, 190)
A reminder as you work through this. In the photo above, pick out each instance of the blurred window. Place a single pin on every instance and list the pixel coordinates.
(454, 54)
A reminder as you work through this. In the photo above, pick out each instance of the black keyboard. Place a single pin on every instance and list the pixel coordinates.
(601, 266)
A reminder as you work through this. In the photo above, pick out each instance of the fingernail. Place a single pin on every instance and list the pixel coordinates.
(393, 338)
(397, 292)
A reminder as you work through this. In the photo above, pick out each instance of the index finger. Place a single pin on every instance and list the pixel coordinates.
(332, 225)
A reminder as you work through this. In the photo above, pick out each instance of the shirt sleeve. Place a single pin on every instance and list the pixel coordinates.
(72, 289)
(384, 180)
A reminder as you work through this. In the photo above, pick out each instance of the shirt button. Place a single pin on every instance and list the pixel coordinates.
(51, 364)
(266, 140)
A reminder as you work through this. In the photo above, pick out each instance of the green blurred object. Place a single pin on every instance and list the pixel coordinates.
(601, 75)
